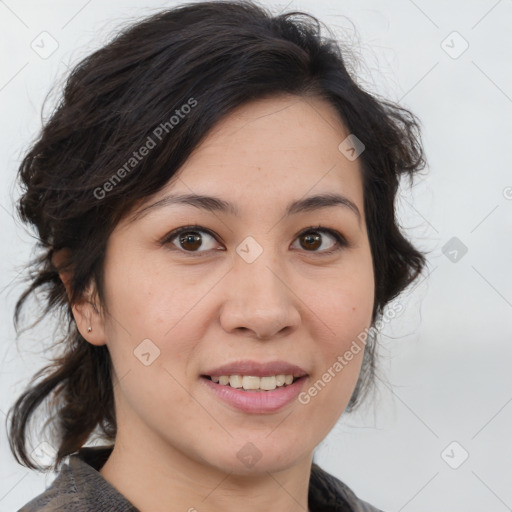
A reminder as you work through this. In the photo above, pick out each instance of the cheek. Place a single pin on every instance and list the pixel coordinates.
(150, 303)
(344, 303)
(343, 307)
(145, 298)
(340, 352)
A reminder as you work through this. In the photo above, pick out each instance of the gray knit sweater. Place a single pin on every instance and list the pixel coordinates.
(79, 487)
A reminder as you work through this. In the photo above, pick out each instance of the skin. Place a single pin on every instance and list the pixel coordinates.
(177, 443)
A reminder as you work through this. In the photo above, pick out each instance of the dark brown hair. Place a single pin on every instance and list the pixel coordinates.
(220, 55)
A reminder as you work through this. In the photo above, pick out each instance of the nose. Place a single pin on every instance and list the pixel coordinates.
(260, 300)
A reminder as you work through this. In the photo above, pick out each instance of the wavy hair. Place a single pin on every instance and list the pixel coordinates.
(223, 54)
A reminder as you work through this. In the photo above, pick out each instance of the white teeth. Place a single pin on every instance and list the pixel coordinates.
(235, 381)
(250, 382)
(268, 383)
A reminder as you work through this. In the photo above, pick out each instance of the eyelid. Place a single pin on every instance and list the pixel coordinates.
(169, 237)
(341, 241)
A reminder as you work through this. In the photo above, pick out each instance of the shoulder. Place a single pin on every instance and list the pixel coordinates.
(61, 495)
(326, 492)
(79, 487)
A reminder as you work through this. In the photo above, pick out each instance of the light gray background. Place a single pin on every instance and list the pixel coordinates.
(446, 359)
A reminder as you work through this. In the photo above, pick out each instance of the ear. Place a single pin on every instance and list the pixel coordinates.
(87, 311)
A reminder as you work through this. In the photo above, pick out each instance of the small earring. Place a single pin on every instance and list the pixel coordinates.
(89, 329)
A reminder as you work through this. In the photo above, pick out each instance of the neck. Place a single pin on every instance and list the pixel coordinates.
(157, 477)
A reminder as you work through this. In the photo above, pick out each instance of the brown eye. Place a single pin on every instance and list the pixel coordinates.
(313, 238)
(190, 239)
(196, 240)
(311, 241)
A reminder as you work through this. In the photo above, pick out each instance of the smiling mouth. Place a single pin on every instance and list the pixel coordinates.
(252, 383)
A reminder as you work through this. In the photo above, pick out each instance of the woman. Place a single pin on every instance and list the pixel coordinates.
(214, 201)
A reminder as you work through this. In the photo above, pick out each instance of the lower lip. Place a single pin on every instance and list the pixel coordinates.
(257, 402)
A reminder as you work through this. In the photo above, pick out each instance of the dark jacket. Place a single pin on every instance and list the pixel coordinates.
(79, 487)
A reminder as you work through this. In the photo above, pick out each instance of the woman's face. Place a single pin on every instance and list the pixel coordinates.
(251, 285)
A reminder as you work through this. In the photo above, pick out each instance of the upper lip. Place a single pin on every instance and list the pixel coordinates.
(257, 369)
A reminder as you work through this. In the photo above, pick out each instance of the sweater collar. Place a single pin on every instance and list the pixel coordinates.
(326, 493)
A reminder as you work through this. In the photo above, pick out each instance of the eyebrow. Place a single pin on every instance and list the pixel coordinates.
(216, 204)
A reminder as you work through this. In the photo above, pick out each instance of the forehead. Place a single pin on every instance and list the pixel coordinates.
(280, 142)
(270, 152)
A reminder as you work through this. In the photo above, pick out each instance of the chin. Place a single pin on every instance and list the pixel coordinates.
(251, 460)
(260, 468)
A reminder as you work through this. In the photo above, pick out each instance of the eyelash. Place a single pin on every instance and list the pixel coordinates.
(341, 241)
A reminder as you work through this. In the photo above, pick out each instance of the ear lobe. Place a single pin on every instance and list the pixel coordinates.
(88, 318)
(89, 322)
